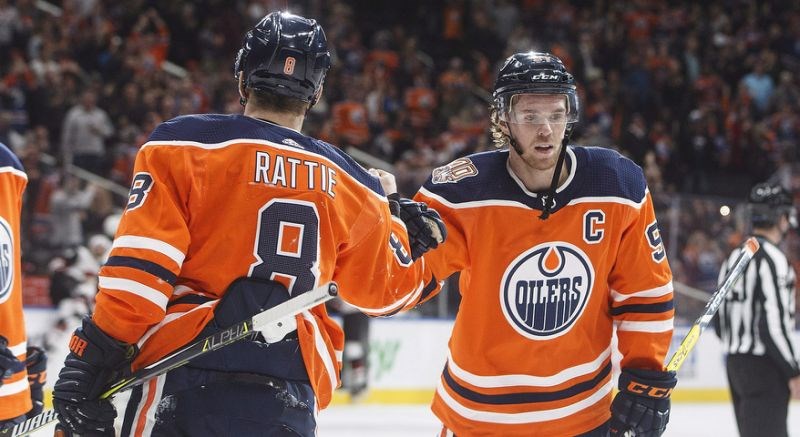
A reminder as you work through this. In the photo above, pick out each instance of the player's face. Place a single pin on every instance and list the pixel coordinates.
(537, 123)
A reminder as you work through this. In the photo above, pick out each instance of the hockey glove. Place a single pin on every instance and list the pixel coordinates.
(9, 364)
(642, 404)
(37, 376)
(36, 364)
(425, 226)
(95, 360)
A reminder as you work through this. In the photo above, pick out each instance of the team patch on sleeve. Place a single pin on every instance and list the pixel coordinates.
(455, 171)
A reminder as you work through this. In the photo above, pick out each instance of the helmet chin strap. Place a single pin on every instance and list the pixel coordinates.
(548, 196)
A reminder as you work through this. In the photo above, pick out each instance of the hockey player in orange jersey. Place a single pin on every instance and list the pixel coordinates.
(556, 245)
(22, 368)
(220, 197)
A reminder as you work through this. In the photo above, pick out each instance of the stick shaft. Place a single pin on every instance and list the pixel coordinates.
(209, 344)
(749, 250)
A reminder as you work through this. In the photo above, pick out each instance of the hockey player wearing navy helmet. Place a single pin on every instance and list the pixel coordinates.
(230, 215)
(556, 290)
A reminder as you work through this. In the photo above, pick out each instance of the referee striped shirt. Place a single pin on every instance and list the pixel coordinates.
(757, 316)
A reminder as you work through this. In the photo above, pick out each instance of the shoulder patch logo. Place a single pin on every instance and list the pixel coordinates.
(545, 290)
(6, 260)
(455, 171)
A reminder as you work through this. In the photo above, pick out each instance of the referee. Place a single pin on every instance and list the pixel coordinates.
(756, 321)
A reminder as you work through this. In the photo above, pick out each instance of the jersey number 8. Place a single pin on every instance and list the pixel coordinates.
(287, 244)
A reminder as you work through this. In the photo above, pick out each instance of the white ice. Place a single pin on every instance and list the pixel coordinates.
(687, 420)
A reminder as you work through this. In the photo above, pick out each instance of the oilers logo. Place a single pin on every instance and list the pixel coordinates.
(6, 260)
(545, 289)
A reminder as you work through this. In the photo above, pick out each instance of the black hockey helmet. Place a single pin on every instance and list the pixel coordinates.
(285, 54)
(533, 73)
(768, 202)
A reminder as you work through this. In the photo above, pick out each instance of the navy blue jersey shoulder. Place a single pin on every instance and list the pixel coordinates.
(606, 173)
(219, 128)
(489, 181)
(596, 172)
(8, 159)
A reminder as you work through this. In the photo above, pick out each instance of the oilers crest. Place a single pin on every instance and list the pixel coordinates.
(545, 289)
(6, 260)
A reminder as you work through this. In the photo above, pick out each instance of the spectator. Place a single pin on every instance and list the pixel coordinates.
(760, 86)
(86, 127)
(68, 206)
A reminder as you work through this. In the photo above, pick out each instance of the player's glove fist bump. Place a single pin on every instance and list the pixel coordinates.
(426, 230)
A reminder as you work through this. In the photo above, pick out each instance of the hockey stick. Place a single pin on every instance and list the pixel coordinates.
(182, 356)
(749, 250)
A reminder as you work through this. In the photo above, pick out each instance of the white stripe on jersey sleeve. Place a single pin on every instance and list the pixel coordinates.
(19, 348)
(171, 317)
(653, 292)
(654, 326)
(517, 380)
(322, 350)
(137, 242)
(13, 387)
(129, 286)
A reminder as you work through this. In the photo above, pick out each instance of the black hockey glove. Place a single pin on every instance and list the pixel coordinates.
(425, 226)
(37, 376)
(642, 404)
(37, 365)
(9, 364)
(95, 360)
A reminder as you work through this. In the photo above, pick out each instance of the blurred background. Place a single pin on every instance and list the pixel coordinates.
(705, 96)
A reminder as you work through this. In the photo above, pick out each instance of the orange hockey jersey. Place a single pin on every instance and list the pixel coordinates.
(217, 197)
(15, 397)
(530, 352)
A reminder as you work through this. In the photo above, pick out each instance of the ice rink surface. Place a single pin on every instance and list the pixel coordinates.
(687, 420)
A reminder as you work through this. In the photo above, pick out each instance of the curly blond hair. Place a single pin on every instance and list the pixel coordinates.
(499, 138)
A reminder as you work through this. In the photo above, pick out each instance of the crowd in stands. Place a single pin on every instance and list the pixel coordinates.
(705, 96)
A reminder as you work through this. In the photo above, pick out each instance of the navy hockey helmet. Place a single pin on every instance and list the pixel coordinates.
(285, 54)
(768, 202)
(533, 73)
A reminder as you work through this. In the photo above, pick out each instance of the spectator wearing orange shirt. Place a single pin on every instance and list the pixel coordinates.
(420, 102)
(350, 116)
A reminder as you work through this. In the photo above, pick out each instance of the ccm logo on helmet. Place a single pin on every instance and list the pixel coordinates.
(544, 76)
(545, 289)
